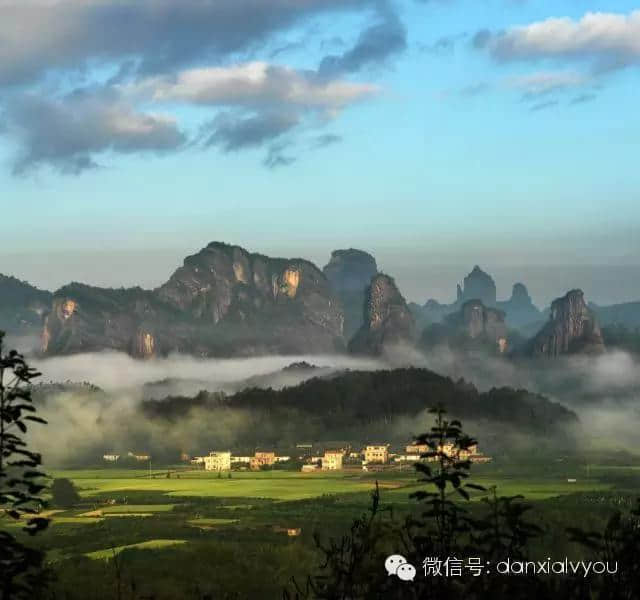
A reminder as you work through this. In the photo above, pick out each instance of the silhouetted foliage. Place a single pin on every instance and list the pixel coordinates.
(618, 543)
(445, 529)
(20, 481)
(351, 565)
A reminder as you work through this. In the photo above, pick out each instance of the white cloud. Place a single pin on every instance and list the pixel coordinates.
(608, 39)
(255, 84)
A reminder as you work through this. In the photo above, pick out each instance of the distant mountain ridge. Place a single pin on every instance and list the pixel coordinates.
(227, 301)
(223, 301)
(626, 314)
(478, 285)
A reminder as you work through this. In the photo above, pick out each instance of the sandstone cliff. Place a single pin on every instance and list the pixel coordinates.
(387, 319)
(478, 322)
(83, 318)
(472, 328)
(223, 301)
(349, 273)
(572, 328)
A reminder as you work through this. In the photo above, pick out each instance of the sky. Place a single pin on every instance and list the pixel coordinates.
(436, 134)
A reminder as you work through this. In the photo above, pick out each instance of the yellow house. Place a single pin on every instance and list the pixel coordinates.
(417, 448)
(262, 458)
(377, 454)
(449, 449)
(332, 460)
(218, 461)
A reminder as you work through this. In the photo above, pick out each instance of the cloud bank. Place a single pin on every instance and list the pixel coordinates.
(595, 45)
(604, 40)
(83, 79)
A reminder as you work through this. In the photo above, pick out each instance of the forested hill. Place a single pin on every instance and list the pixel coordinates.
(360, 398)
(21, 306)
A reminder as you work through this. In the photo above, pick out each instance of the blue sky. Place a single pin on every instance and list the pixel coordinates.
(446, 132)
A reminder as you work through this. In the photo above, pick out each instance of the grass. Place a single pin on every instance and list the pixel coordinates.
(206, 522)
(148, 545)
(75, 520)
(114, 515)
(239, 524)
(275, 485)
(541, 490)
(136, 508)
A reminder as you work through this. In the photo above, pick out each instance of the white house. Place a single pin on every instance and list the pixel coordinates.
(218, 461)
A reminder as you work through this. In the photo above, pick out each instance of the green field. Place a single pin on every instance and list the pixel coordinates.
(235, 533)
(283, 485)
(138, 508)
(275, 485)
(150, 545)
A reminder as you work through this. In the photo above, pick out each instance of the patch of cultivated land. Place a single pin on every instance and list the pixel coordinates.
(274, 485)
(148, 545)
(257, 528)
(137, 508)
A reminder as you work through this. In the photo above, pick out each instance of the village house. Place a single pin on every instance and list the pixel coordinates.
(479, 458)
(334, 445)
(471, 453)
(261, 459)
(401, 458)
(417, 448)
(377, 454)
(218, 461)
(310, 468)
(139, 457)
(197, 460)
(241, 459)
(332, 460)
(111, 457)
(467, 453)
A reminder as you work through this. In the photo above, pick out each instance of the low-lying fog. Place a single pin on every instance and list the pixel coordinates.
(115, 371)
(604, 391)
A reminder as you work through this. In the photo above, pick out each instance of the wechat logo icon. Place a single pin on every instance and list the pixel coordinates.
(396, 564)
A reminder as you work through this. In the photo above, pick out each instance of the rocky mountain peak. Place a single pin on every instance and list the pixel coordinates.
(350, 270)
(387, 319)
(520, 295)
(572, 328)
(478, 285)
(479, 322)
(349, 273)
